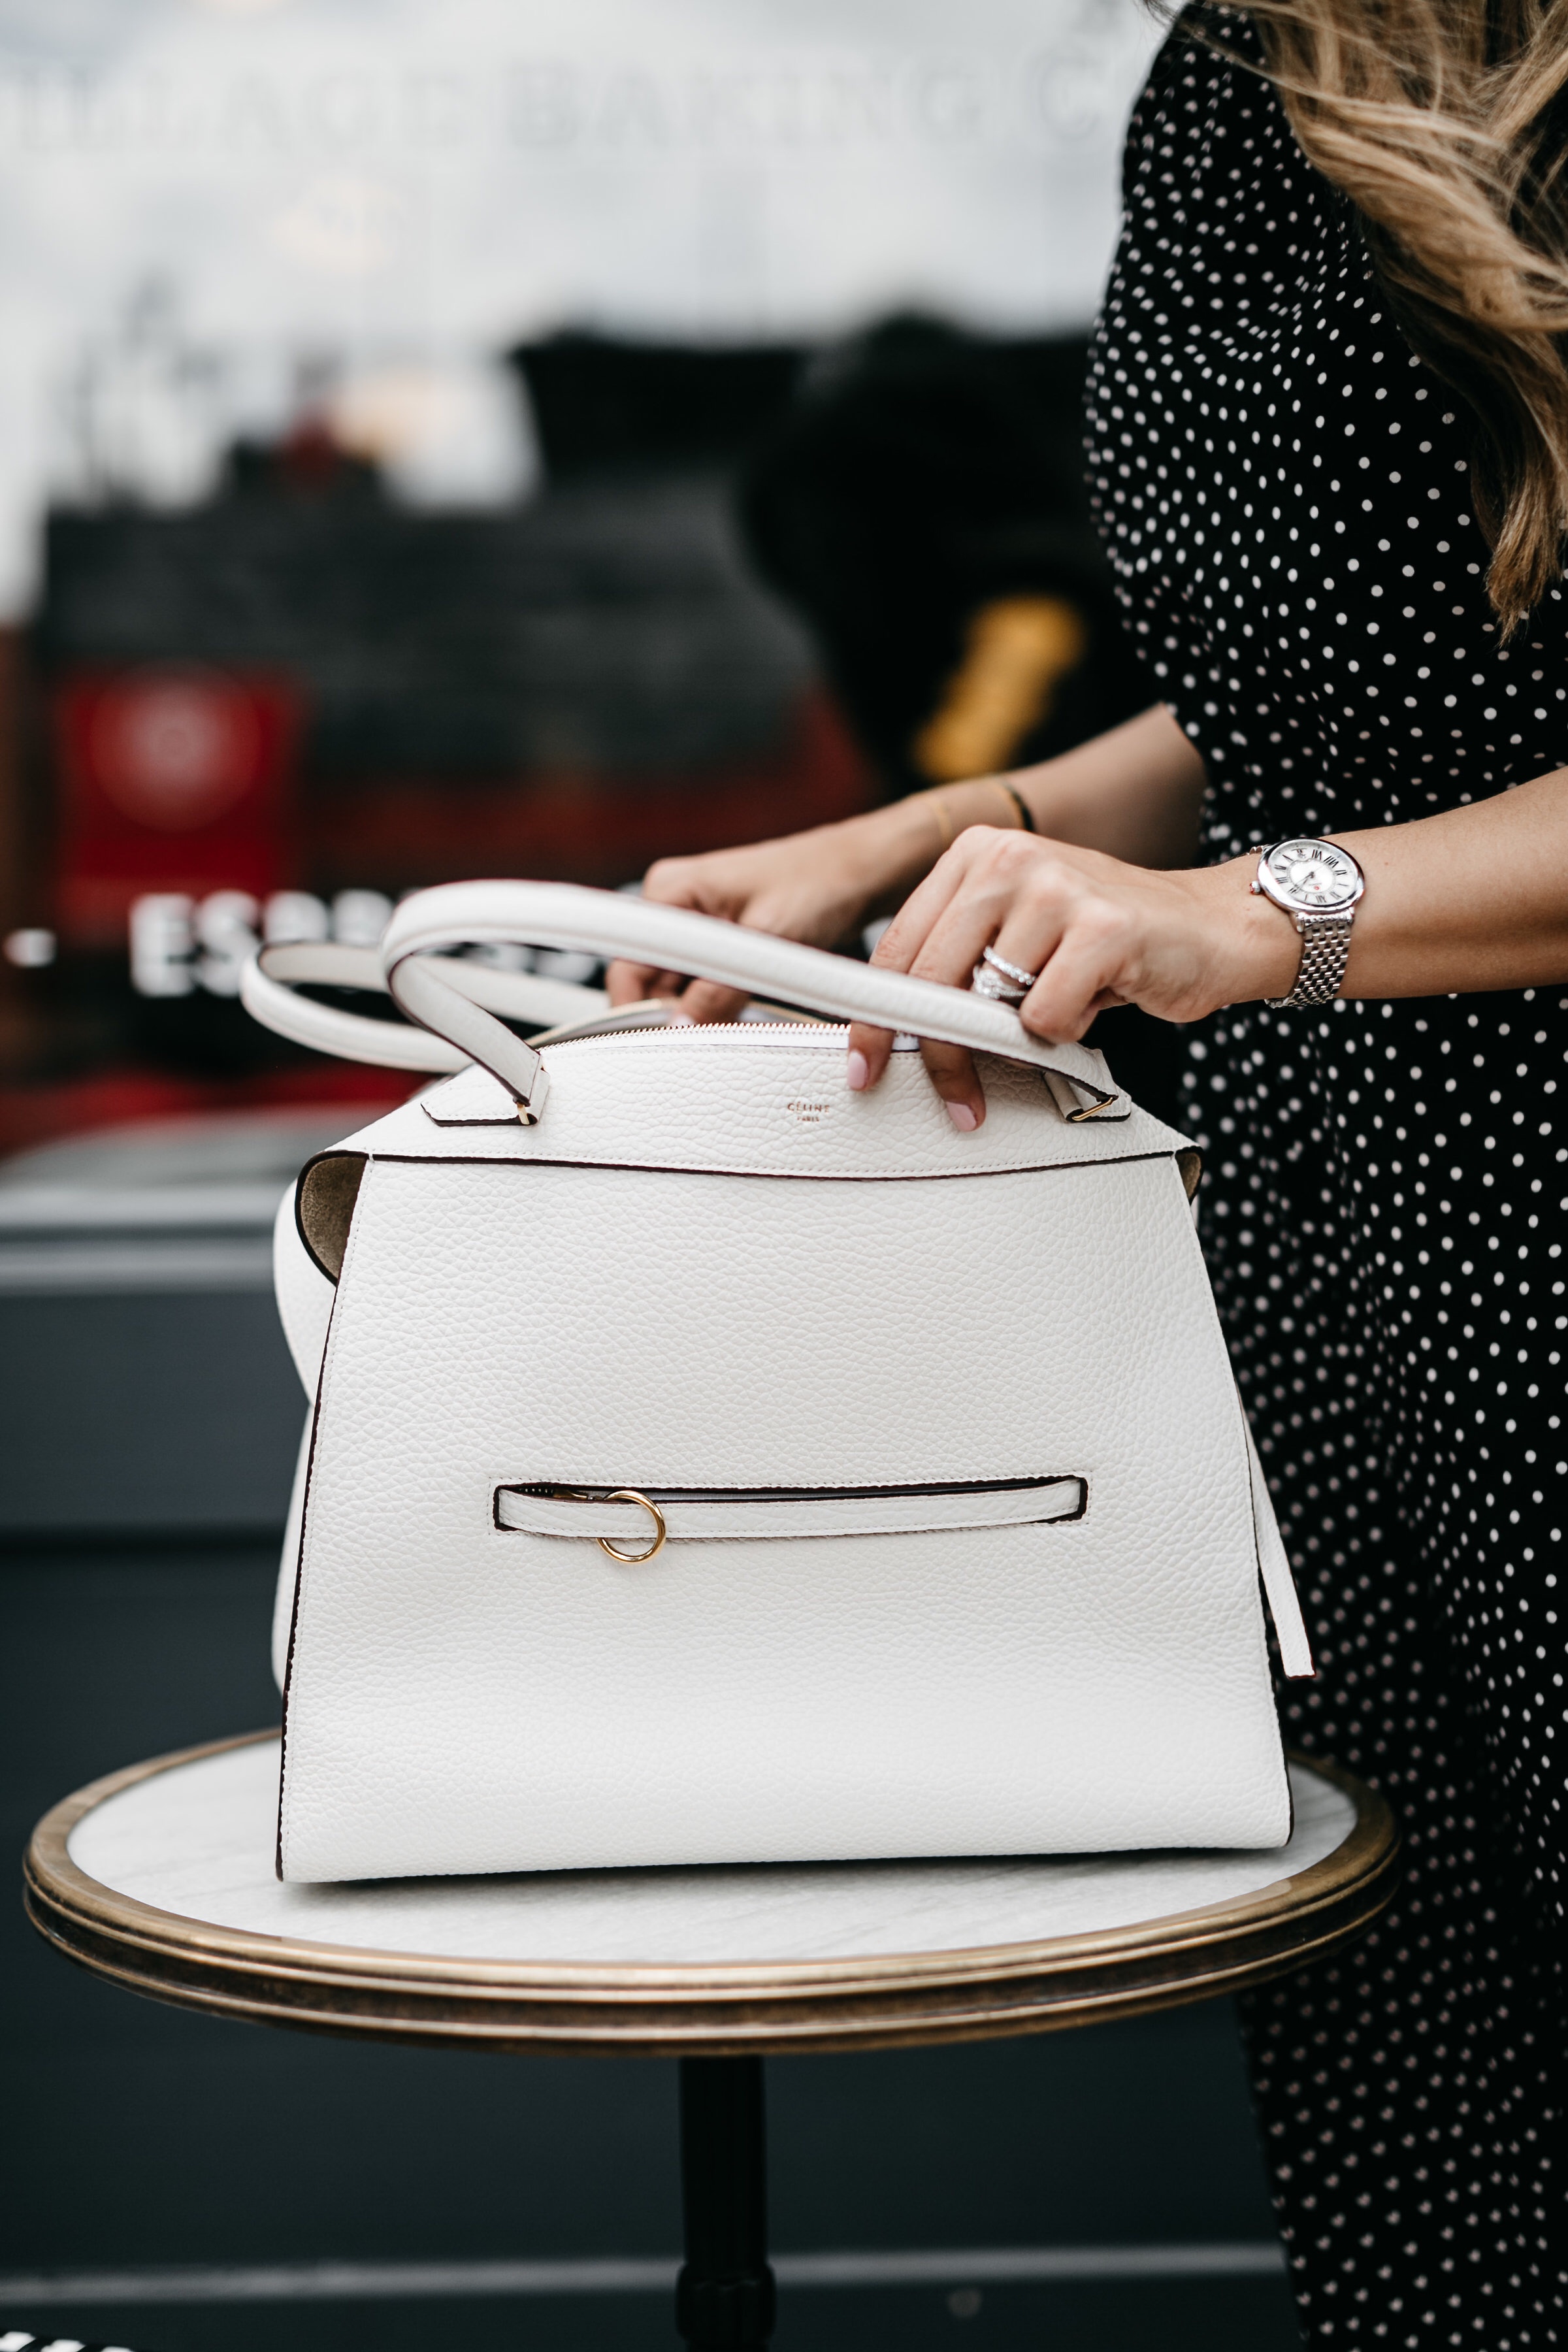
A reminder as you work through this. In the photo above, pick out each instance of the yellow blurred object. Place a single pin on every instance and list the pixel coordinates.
(1018, 650)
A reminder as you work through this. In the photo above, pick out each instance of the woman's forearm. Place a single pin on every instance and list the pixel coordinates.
(1133, 793)
(1474, 900)
(1471, 900)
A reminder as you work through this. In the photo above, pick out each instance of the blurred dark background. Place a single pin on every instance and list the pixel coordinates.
(754, 589)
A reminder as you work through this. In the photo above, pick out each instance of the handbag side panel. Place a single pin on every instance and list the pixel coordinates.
(305, 1299)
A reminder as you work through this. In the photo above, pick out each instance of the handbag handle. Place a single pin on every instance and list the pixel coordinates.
(672, 939)
(268, 982)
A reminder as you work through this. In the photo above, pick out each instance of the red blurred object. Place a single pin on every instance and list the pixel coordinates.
(31, 1115)
(311, 456)
(402, 833)
(171, 779)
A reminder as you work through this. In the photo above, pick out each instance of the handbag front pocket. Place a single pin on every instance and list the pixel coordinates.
(606, 1515)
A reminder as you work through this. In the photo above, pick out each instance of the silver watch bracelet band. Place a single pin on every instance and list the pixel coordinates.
(1325, 950)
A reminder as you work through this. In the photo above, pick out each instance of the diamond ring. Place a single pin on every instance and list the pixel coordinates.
(984, 981)
(1012, 971)
(1002, 983)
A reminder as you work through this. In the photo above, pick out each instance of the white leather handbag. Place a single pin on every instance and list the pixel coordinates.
(711, 1464)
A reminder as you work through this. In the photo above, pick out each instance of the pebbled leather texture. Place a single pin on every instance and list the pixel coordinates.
(689, 1276)
(750, 1100)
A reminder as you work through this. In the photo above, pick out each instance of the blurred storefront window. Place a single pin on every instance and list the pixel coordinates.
(464, 440)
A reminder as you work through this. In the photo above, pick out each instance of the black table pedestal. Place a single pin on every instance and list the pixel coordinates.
(160, 1877)
(725, 2298)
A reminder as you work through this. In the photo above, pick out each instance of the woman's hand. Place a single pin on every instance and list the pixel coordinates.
(811, 886)
(1097, 932)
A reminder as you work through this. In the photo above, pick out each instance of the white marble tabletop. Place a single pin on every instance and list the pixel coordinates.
(197, 1839)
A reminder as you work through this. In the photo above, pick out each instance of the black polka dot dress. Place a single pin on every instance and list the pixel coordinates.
(1284, 492)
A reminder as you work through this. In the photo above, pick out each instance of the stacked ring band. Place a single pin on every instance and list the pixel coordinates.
(1012, 971)
(984, 981)
(1002, 983)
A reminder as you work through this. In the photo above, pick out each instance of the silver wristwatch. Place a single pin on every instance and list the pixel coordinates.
(1317, 883)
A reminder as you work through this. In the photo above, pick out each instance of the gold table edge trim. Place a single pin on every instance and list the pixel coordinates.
(1215, 1937)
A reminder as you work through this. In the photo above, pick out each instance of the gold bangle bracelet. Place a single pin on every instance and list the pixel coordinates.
(944, 815)
(948, 832)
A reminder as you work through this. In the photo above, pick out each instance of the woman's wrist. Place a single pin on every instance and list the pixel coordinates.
(977, 800)
(892, 848)
(1257, 948)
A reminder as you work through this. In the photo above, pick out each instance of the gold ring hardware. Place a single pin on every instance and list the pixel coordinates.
(660, 1532)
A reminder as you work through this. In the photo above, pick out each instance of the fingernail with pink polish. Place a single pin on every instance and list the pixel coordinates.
(859, 1072)
(963, 1118)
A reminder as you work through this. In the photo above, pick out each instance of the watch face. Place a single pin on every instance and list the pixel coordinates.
(1313, 875)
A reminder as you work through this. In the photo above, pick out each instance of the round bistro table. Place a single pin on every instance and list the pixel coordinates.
(160, 1879)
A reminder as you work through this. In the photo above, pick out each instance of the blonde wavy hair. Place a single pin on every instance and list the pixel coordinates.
(1442, 121)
